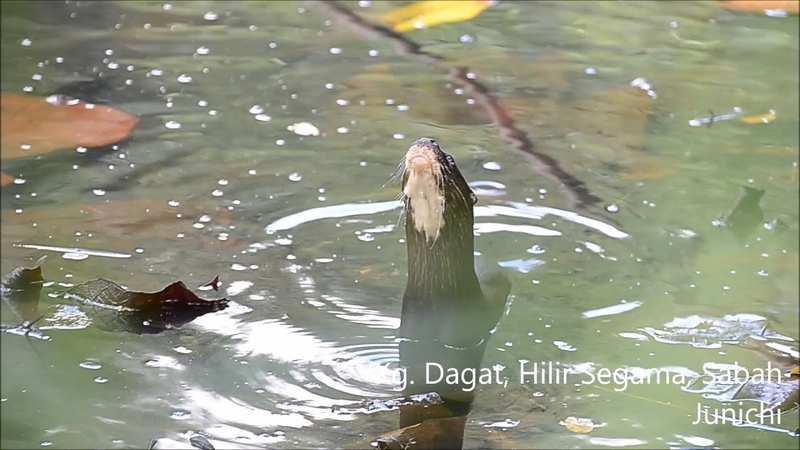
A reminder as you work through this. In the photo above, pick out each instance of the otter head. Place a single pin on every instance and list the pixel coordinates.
(435, 193)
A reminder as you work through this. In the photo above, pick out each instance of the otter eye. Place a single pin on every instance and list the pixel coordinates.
(450, 159)
(433, 141)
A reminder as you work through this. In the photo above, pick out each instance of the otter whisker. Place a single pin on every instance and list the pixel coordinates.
(403, 210)
(397, 174)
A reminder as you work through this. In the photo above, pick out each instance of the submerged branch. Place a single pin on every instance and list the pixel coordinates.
(508, 131)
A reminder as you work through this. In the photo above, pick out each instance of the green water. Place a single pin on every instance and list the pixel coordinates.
(309, 334)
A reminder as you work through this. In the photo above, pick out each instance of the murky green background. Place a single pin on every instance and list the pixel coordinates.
(309, 335)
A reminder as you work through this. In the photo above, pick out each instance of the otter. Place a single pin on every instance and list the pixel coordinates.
(447, 316)
(443, 299)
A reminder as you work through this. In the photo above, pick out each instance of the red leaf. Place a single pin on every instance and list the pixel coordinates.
(787, 6)
(35, 125)
(5, 179)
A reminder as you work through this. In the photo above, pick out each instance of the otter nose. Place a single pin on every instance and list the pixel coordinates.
(419, 163)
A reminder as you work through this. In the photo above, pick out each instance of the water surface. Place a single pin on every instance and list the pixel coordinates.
(307, 238)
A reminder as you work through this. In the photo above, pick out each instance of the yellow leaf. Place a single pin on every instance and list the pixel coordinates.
(430, 13)
(578, 425)
(763, 118)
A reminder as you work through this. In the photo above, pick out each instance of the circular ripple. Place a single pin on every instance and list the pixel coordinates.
(362, 370)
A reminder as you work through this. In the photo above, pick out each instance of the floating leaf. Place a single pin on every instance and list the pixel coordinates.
(762, 118)
(5, 180)
(577, 425)
(113, 308)
(21, 289)
(426, 14)
(795, 372)
(787, 6)
(23, 277)
(36, 125)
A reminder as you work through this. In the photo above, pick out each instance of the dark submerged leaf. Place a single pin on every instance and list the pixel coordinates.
(746, 214)
(113, 308)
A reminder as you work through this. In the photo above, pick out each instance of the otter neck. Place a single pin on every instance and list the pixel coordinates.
(443, 267)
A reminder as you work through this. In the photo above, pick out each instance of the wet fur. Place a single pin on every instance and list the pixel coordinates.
(443, 299)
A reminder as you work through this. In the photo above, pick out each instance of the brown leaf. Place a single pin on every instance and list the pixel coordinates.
(36, 125)
(5, 179)
(788, 6)
(113, 308)
(24, 277)
(434, 433)
(21, 289)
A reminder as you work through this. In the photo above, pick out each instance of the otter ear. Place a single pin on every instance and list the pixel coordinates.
(474, 198)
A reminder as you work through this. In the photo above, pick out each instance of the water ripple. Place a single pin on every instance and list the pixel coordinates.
(509, 209)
